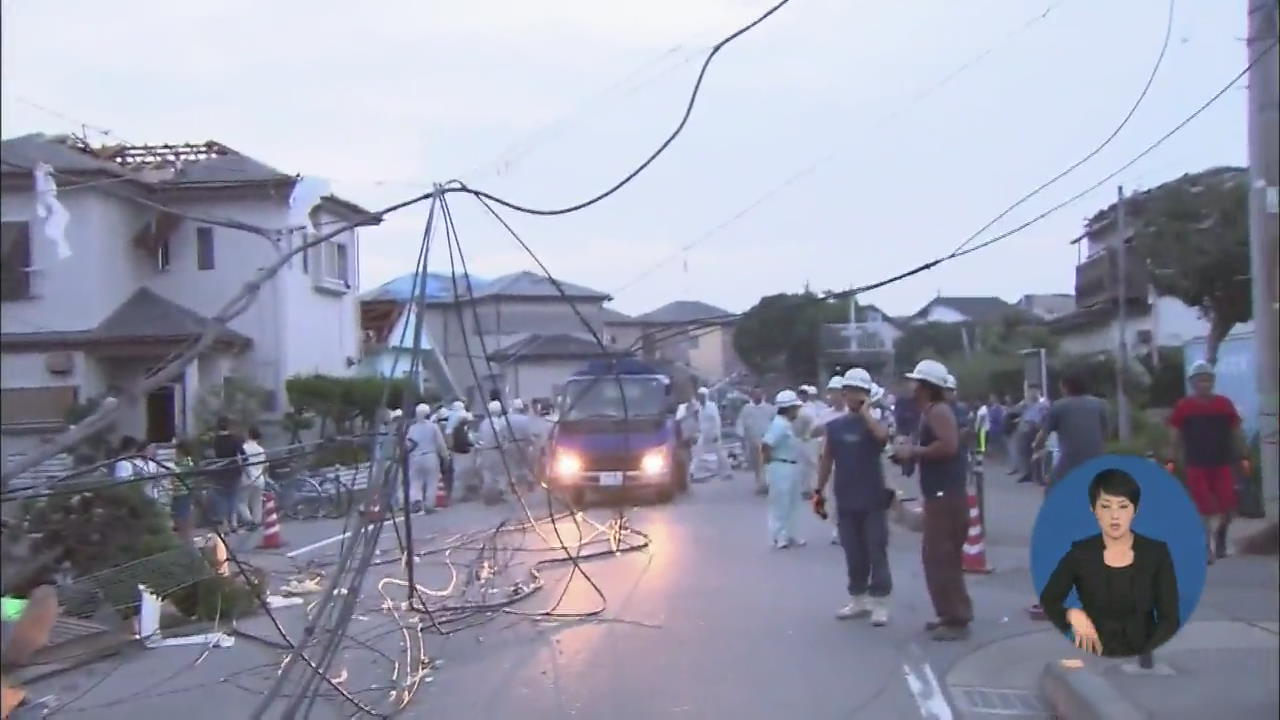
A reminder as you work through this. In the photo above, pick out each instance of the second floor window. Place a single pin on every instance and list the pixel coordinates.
(204, 248)
(337, 263)
(15, 261)
(162, 255)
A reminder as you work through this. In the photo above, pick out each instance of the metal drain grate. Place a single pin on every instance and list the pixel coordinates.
(996, 701)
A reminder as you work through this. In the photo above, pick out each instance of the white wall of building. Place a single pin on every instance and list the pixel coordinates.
(1171, 323)
(943, 314)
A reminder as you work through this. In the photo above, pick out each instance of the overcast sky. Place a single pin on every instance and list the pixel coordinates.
(549, 102)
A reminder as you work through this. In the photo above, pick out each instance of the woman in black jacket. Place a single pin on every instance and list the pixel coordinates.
(1125, 581)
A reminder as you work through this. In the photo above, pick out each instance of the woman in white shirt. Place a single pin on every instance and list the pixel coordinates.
(137, 460)
(254, 480)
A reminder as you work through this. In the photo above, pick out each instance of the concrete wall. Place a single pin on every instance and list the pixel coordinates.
(539, 378)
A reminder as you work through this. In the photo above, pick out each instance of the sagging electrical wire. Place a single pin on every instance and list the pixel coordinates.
(708, 324)
(1133, 109)
(248, 293)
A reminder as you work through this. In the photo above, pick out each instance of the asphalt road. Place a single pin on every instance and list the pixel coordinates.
(707, 622)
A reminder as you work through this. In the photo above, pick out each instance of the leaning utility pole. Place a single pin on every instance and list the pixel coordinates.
(1122, 291)
(1264, 223)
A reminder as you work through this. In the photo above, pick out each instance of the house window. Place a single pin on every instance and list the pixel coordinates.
(162, 255)
(204, 248)
(15, 261)
(36, 405)
(336, 265)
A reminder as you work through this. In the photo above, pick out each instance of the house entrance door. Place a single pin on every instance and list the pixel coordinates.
(163, 413)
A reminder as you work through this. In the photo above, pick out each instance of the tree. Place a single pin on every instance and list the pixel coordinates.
(928, 340)
(1194, 234)
(780, 333)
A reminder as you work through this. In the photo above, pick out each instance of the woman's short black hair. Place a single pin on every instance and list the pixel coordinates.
(1116, 483)
(128, 444)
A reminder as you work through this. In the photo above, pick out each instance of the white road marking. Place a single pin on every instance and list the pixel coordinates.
(320, 544)
(927, 692)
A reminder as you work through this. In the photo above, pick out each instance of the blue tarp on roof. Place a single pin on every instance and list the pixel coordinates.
(439, 285)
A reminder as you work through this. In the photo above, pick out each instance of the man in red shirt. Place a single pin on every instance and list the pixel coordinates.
(1208, 438)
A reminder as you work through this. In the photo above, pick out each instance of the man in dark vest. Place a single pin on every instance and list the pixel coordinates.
(854, 447)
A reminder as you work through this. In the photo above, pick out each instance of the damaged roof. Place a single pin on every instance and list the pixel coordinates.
(161, 167)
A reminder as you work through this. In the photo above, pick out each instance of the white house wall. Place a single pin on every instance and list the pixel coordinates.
(79, 292)
(539, 378)
(944, 314)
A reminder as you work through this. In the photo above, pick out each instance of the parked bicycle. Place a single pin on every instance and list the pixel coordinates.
(308, 496)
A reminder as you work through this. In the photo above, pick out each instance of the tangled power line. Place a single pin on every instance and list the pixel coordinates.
(486, 576)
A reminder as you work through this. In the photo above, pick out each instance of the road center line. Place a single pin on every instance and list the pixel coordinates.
(927, 692)
(320, 544)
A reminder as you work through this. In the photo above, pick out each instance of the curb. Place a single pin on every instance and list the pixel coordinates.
(1081, 694)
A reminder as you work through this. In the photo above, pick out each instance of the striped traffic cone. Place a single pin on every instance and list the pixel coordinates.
(270, 524)
(975, 548)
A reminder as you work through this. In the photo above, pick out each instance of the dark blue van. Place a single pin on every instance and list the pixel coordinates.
(616, 433)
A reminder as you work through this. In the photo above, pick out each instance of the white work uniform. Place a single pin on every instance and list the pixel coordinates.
(808, 447)
(427, 451)
(783, 476)
(709, 444)
(753, 421)
(492, 441)
(520, 451)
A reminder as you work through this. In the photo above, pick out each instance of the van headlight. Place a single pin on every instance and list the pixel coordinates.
(567, 464)
(653, 462)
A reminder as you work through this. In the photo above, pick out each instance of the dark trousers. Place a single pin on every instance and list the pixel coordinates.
(864, 535)
(946, 525)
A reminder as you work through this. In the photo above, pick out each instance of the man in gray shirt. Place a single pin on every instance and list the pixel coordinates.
(1080, 420)
(1031, 416)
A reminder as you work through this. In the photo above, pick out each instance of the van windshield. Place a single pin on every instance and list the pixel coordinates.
(610, 398)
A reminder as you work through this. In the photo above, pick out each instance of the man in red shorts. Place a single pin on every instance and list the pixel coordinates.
(1209, 442)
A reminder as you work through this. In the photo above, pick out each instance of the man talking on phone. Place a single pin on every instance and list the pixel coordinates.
(854, 447)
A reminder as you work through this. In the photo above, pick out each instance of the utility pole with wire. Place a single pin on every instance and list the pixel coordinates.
(1122, 290)
(1264, 225)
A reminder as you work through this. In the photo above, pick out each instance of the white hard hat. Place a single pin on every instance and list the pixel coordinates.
(458, 406)
(396, 413)
(804, 390)
(859, 378)
(786, 399)
(422, 411)
(1200, 367)
(495, 407)
(703, 391)
(949, 382)
(836, 382)
(517, 404)
(930, 371)
(877, 393)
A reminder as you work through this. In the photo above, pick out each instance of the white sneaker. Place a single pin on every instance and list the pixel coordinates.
(835, 537)
(880, 611)
(781, 545)
(857, 607)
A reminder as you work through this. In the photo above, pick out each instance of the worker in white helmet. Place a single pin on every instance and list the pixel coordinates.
(782, 450)
(428, 455)
(753, 420)
(522, 450)
(806, 420)
(943, 474)
(492, 441)
(459, 432)
(852, 453)
(709, 438)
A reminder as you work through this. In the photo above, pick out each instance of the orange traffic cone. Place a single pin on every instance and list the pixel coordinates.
(442, 495)
(975, 549)
(270, 524)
